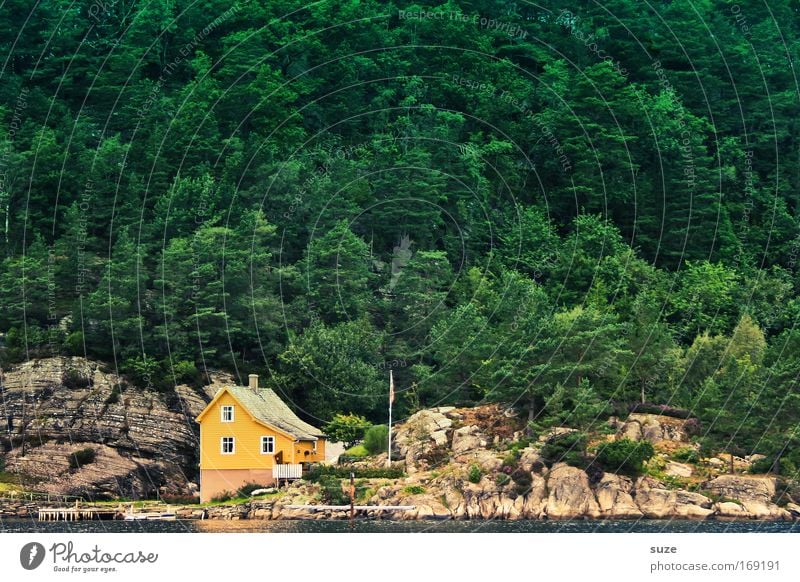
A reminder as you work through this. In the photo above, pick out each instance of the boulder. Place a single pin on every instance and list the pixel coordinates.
(614, 497)
(530, 459)
(674, 469)
(467, 438)
(439, 437)
(569, 494)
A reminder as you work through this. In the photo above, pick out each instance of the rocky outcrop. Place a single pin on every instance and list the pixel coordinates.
(144, 441)
(753, 495)
(653, 428)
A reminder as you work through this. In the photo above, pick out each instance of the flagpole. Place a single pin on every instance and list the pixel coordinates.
(391, 397)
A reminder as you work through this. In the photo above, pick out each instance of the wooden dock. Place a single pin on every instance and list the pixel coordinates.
(76, 513)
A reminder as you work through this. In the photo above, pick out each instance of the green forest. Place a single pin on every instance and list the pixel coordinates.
(572, 208)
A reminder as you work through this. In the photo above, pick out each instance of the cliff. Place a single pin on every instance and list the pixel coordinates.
(142, 442)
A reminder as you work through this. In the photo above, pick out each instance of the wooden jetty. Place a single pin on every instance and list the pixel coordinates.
(77, 513)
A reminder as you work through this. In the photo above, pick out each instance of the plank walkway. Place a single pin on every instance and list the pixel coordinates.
(76, 513)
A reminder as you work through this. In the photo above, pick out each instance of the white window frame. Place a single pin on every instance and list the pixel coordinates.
(222, 446)
(223, 410)
(267, 438)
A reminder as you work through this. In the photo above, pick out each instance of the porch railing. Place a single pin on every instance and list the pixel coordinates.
(287, 471)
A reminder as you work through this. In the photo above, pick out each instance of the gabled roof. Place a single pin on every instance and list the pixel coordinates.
(267, 407)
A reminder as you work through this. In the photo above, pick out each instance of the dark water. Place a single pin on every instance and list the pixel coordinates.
(387, 526)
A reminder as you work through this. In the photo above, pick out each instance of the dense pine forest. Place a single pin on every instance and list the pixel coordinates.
(569, 207)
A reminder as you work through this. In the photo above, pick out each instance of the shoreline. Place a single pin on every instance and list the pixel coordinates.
(260, 510)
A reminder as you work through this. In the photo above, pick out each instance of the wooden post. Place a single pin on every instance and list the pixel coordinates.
(352, 499)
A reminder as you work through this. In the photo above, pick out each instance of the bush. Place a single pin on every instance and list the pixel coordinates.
(357, 452)
(687, 455)
(522, 481)
(318, 472)
(73, 379)
(247, 489)
(113, 397)
(332, 493)
(569, 448)
(624, 456)
(502, 479)
(474, 475)
(187, 373)
(376, 439)
(222, 497)
(81, 457)
(414, 489)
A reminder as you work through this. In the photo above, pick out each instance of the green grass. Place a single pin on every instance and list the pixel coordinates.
(357, 451)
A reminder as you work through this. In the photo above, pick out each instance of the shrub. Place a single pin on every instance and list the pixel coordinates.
(376, 439)
(474, 475)
(222, 497)
(72, 378)
(414, 489)
(568, 448)
(113, 398)
(522, 481)
(624, 455)
(318, 472)
(358, 452)
(687, 455)
(331, 490)
(247, 489)
(502, 479)
(81, 457)
(187, 373)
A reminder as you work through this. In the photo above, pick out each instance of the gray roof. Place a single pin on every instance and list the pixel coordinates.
(267, 407)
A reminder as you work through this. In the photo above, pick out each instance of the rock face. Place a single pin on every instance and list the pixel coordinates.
(569, 494)
(753, 493)
(143, 441)
(445, 449)
(653, 428)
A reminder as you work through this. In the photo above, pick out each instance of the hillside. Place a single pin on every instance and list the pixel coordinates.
(571, 210)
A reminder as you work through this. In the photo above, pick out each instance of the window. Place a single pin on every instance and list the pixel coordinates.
(227, 445)
(227, 414)
(267, 445)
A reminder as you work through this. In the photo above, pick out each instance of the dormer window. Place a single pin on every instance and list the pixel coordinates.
(227, 414)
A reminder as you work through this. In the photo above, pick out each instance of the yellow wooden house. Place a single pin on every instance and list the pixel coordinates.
(249, 435)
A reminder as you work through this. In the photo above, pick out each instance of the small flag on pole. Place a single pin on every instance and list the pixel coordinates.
(391, 399)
